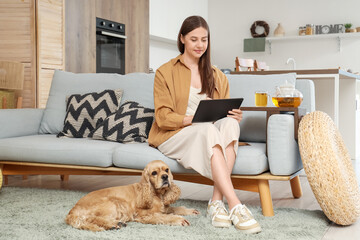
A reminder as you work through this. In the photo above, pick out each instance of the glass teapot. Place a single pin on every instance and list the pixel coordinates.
(287, 96)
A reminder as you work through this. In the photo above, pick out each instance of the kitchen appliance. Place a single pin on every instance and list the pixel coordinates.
(110, 46)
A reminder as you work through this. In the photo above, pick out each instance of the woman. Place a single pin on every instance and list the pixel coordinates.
(208, 148)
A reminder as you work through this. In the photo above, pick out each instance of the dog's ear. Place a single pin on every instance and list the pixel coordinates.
(145, 196)
(145, 191)
(171, 195)
(145, 176)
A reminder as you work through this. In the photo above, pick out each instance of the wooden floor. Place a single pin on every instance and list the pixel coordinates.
(281, 194)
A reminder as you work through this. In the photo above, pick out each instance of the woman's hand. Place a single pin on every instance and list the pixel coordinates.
(236, 114)
(187, 120)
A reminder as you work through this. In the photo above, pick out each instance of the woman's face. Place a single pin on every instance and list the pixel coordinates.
(195, 42)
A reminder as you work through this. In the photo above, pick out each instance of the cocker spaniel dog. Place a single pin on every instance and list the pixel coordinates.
(146, 202)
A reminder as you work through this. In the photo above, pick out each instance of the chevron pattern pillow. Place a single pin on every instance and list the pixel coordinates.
(131, 123)
(85, 112)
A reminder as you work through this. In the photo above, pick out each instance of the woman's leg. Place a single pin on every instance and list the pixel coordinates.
(221, 177)
(230, 155)
(229, 129)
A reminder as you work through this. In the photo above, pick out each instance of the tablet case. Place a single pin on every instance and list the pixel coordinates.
(215, 109)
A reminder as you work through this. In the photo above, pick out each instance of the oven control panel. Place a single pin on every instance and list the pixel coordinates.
(104, 24)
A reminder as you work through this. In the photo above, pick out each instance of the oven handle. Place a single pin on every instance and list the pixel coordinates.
(112, 34)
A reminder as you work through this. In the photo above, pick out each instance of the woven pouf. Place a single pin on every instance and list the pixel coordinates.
(328, 167)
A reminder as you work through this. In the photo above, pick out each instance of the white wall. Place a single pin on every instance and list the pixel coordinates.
(230, 22)
(166, 17)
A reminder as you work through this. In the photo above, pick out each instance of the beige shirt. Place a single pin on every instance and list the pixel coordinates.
(194, 100)
(171, 95)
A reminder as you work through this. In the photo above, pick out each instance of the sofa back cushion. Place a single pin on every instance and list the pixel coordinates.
(136, 87)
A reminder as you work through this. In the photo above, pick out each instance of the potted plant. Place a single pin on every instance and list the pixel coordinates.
(348, 28)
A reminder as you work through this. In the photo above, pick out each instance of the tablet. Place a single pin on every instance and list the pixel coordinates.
(215, 109)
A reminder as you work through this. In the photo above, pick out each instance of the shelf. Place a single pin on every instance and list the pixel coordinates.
(337, 36)
(163, 40)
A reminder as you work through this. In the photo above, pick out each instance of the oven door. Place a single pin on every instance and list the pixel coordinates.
(110, 52)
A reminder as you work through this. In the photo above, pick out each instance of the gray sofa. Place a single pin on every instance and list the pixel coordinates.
(28, 142)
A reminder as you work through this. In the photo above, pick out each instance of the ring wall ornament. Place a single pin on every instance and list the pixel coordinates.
(262, 24)
(328, 167)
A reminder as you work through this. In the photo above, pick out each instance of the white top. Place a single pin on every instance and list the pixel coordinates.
(194, 100)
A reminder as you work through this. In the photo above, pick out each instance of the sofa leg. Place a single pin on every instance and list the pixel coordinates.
(265, 198)
(1, 176)
(64, 177)
(296, 187)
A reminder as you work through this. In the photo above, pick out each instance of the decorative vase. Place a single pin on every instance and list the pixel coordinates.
(279, 31)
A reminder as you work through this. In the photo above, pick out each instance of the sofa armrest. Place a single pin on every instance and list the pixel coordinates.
(282, 148)
(19, 122)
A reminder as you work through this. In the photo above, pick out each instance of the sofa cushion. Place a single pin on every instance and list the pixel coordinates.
(137, 155)
(136, 86)
(253, 125)
(131, 123)
(251, 160)
(85, 112)
(48, 148)
(12, 122)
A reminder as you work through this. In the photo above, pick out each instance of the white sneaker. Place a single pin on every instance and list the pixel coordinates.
(219, 215)
(243, 219)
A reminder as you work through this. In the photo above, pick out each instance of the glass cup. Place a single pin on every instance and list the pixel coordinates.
(261, 98)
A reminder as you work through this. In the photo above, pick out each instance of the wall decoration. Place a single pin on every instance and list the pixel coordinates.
(279, 31)
(331, 28)
(262, 24)
(348, 28)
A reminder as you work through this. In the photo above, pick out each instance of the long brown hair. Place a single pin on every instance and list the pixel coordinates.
(205, 69)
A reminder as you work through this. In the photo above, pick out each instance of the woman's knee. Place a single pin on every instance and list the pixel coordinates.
(229, 125)
(208, 129)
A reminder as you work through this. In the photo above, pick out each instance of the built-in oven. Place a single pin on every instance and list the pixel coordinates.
(110, 46)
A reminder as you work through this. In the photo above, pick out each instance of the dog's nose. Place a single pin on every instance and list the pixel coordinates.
(164, 177)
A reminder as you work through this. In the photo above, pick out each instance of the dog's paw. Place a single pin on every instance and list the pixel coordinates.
(194, 212)
(185, 223)
(122, 224)
(180, 221)
(114, 228)
(191, 211)
(118, 226)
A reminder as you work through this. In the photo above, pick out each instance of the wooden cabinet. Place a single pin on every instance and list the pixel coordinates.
(80, 39)
(32, 32)
(50, 45)
(81, 32)
(17, 42)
